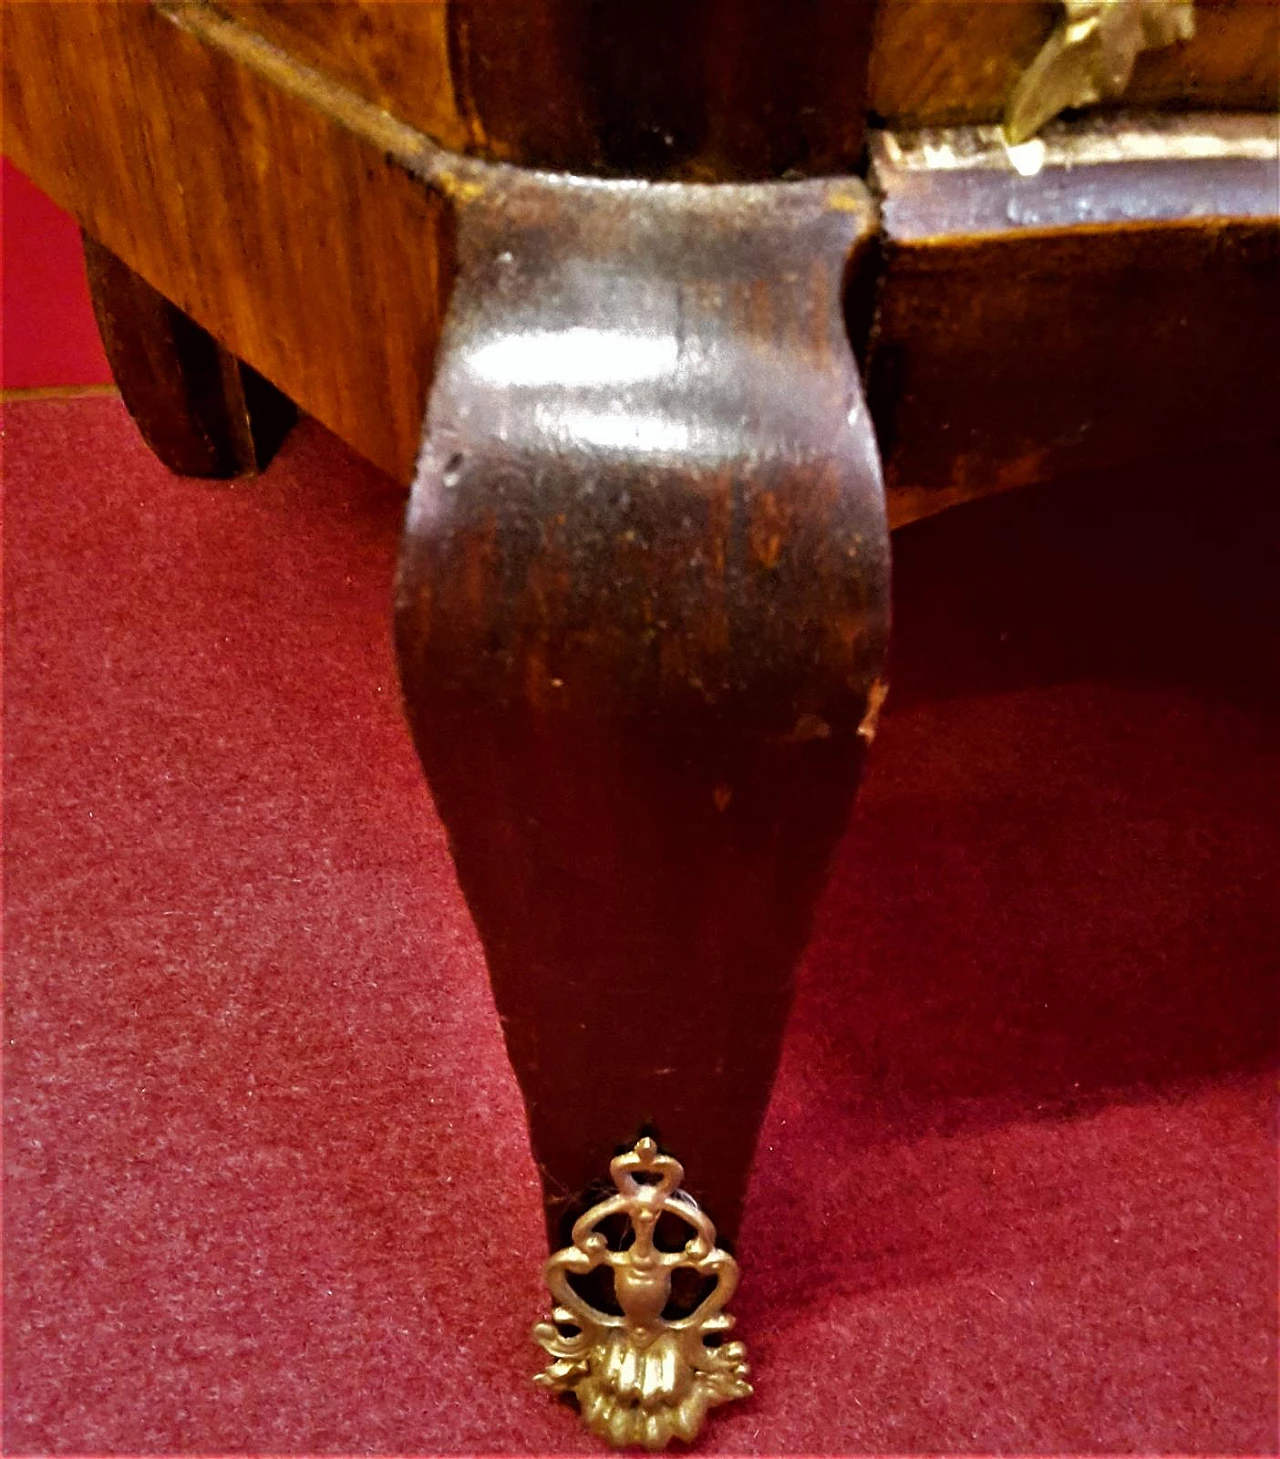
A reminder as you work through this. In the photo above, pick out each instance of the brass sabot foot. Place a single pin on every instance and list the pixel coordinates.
(641, 1378)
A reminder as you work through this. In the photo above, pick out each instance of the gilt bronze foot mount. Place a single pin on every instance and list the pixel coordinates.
(643, 1375)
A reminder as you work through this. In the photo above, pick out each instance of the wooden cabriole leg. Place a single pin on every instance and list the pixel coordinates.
(200, 409)
(641, 612)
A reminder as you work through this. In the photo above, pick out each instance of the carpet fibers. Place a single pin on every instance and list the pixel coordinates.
(268, 1186)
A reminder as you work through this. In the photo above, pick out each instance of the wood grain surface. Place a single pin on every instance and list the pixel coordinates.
(641, 615)
(1119, 303)
(394, 53)
(534, 82)
(290, 217)
(702, 89)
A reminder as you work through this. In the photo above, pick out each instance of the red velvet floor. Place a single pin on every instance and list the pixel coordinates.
(268, 1188)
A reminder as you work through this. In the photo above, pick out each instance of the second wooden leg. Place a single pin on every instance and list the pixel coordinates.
(200, 409)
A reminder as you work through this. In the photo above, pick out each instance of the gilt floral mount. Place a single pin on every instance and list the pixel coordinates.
(1090, 56)
(642, 1376)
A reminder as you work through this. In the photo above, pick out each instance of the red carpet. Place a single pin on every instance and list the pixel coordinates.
(49, 337)
(268, 1188)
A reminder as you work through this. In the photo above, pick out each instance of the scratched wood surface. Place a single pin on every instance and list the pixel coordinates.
(1108, 308)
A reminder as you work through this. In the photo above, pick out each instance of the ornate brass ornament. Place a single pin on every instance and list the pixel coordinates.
(641, 1378)
(1090, 56)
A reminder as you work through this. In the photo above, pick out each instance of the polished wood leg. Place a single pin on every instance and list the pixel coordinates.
(200, 409)
(641, 614)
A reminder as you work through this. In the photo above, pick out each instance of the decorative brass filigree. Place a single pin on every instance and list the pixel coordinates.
(1090, 56)
(641, 1378)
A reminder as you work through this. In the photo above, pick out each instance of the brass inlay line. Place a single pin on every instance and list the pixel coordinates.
(17, 394)
(411, 149)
